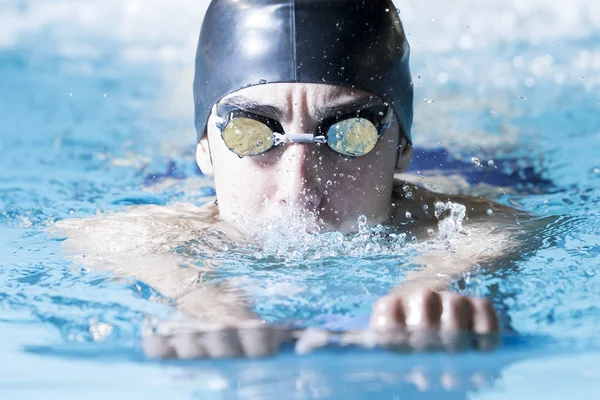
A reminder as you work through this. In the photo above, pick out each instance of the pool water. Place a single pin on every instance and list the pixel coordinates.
(96, 116)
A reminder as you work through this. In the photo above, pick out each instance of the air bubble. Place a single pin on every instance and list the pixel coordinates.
(491, 163)
(475, 161)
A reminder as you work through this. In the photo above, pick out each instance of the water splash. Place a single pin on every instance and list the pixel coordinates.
(297, 236)
(451, 216)
(290, 235)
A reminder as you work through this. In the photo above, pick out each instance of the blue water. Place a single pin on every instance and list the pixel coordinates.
(95, 110)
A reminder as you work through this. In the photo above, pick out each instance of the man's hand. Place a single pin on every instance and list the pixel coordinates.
(244, 339)
(420, 321)
(425, 319)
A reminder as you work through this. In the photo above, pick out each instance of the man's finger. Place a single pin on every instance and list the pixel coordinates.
(158, 346)
(222, 343)
(388, 315)
(484, 324)
(484, 317)
(455, 322)
(259, 340)
(188, 346)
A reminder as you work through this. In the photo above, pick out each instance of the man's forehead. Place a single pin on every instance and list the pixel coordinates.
(315, 94)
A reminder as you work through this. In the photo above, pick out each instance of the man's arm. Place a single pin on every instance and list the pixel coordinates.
(488, 236)
(140, 243)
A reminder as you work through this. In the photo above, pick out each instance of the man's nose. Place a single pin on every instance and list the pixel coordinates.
(298, 176)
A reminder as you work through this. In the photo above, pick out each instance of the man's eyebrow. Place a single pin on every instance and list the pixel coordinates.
(252, 106)
(348, 107)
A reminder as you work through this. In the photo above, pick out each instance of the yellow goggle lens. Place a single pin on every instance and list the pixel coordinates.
(353, 136)
(247, 137)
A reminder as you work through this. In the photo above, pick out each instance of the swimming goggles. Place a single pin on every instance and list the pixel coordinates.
(353, 135)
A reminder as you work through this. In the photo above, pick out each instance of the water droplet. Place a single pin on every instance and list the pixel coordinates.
(518, 62)
(409, 195)
(262, 81)
(408, 215)
(328, 183)
(491, 163)
(428, 101)
(597, 171)
(489, 211)
(475, 161)
(425, 207)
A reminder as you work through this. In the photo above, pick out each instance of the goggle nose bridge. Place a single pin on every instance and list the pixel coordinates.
(298, 138)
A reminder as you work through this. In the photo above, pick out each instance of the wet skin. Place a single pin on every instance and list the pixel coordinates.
(141, 241)
(296, 176)
(303, 177)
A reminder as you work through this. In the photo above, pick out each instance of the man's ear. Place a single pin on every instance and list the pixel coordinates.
(405, 157)
(203, 157)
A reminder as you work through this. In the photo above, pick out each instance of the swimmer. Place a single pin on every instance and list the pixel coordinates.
(304, 106)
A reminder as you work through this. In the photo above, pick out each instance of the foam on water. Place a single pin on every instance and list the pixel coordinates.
(293, 236)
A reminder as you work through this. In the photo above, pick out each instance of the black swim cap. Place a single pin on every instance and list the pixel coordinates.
(354, 43)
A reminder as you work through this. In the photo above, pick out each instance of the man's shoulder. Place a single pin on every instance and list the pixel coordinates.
(421, 203)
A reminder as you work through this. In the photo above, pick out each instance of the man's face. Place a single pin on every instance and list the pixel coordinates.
(301, 178)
